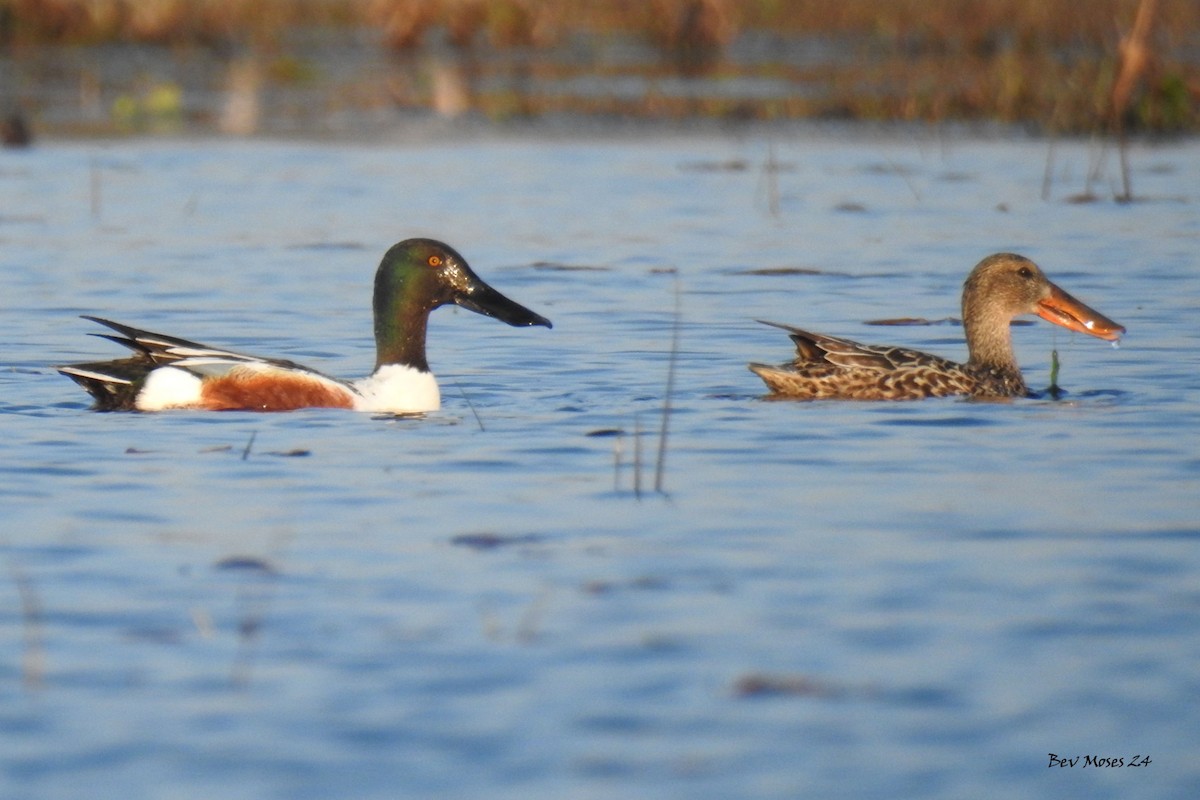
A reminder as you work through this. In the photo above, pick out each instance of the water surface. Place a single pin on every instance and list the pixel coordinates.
(834, 600)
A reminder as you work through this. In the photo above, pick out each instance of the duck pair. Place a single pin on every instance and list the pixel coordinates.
(419, 275)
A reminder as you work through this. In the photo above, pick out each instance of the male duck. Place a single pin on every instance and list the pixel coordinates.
(1001, 287)
(414, 277)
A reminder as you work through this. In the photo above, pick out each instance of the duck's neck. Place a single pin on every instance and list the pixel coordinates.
(400, 323)
(989, 339)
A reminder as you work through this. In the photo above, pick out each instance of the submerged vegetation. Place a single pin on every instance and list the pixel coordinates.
(1056, 64)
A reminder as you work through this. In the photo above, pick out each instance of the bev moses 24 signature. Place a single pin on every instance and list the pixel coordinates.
(1098, 761)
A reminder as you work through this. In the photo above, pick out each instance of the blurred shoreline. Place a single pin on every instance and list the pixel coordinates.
(381, 67)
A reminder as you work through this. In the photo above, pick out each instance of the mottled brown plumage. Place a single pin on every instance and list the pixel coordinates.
(1001, 287)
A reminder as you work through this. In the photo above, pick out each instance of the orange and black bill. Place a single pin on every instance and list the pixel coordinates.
(1062, 309)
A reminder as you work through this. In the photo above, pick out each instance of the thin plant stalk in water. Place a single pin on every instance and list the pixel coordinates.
(1054, 390)
(661, 461)
(637, 456)
(34, 659)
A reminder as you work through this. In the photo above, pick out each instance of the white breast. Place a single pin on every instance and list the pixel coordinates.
(398, 389)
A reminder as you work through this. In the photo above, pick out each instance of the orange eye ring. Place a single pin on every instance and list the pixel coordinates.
(434, 261)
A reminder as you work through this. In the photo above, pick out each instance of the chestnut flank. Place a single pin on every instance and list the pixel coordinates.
(248, 391)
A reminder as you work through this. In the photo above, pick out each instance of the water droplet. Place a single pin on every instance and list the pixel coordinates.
(1116, 344)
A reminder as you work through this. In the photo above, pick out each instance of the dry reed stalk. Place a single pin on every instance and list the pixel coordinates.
(403, 24)
(692, 24)
(1133, 56)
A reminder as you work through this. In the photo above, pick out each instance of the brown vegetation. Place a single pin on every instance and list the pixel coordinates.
(1060, 64)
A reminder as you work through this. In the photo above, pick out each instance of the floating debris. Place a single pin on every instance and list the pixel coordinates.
(732, 165)
(491, 541)
(244, 564)
(758, 684)
(781, 271)
(643, 583)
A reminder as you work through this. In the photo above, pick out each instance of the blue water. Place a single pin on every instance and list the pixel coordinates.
(824, 600)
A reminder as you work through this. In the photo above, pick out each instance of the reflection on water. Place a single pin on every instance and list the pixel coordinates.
(333, 81)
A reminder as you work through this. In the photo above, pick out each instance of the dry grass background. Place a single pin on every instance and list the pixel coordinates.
(1062, 64)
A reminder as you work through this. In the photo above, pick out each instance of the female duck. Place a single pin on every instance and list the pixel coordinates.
(414, 277)
(1001, 287)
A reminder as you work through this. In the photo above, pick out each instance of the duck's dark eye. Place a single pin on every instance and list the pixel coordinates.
(1025, 272)
(434, 261)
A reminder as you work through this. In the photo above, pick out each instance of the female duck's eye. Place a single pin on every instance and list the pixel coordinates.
(1024, 272)
(435, 261)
